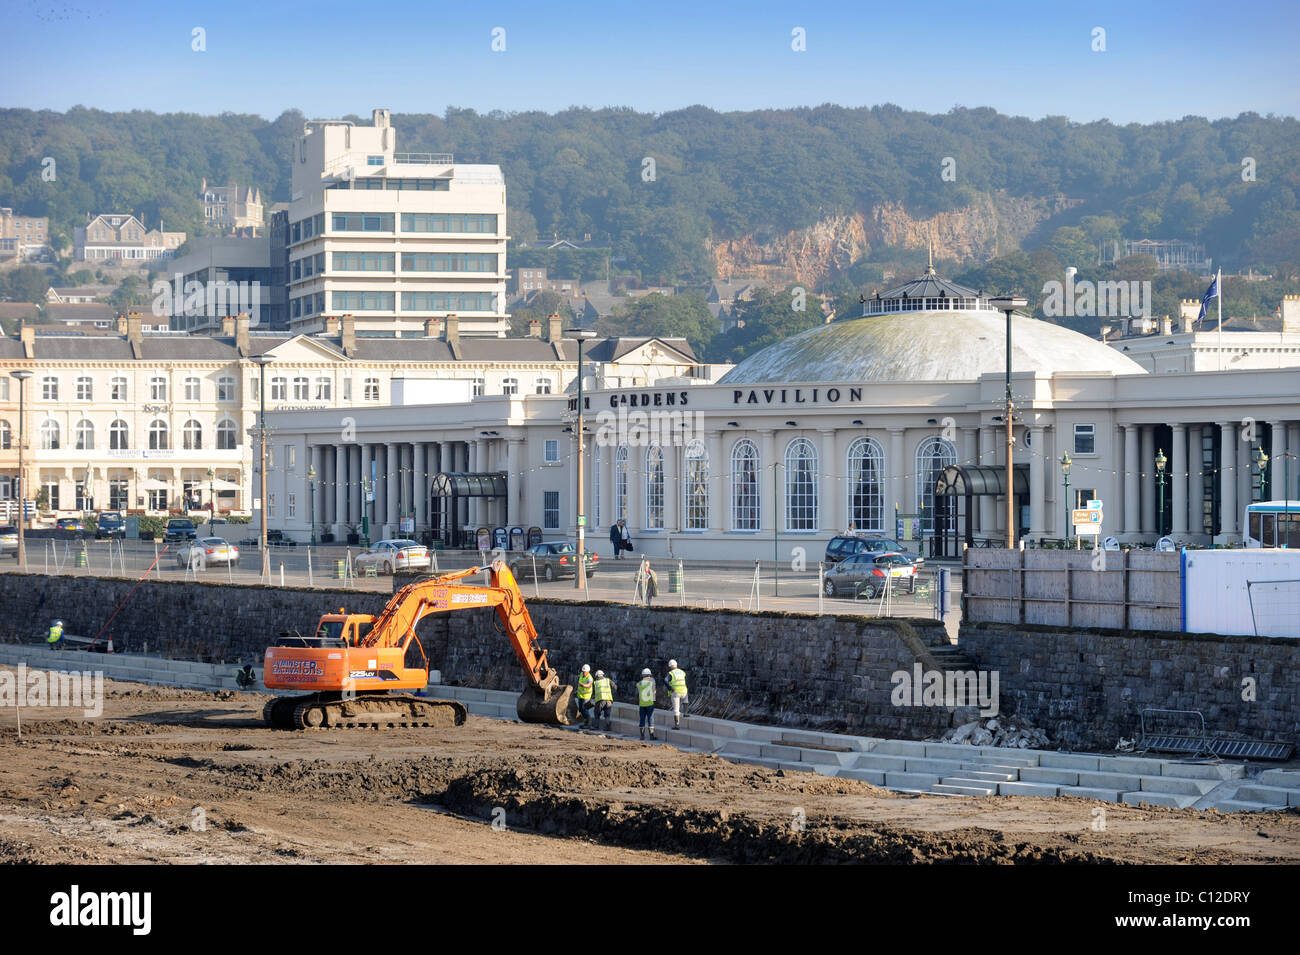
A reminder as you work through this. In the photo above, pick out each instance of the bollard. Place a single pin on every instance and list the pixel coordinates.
(340, 568)
(281, 575)
(675, 580)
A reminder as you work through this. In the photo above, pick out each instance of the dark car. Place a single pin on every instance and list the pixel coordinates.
(553, 559)
(180, 529)
(109, 525)
(847, 545)
(69, 527)
(867, 574)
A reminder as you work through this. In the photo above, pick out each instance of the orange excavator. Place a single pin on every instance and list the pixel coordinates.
(353, 662)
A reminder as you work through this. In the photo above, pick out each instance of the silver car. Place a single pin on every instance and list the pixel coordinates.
(9, 541)
(205, 552)
(390, 556)
(867, 574)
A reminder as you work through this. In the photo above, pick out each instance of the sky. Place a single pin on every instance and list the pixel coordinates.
(1161, 60)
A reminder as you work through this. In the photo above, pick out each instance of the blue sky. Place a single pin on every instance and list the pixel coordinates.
(1162, 60)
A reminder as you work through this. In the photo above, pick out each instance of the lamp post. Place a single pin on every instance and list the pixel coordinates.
(1161, 461)
(579, 573)
(311, 501)
(1261, 462)
(261, 361)
(22, 377)
(212, 502)
(1008, 304)
(1065, 474)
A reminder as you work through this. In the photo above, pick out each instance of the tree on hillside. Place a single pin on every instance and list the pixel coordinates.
(768, 317)
(27, 283)
(540, 308)
(664, 316)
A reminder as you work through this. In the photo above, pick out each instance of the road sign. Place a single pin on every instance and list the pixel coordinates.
(1094, 505)
(1086, 516)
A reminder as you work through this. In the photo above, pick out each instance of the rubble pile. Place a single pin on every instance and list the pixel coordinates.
(995, 732)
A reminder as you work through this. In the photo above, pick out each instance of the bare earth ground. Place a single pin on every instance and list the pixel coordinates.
(181, 776)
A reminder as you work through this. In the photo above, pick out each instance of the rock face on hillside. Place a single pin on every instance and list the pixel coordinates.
(987, 227)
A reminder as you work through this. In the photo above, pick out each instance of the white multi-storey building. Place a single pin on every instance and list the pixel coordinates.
(395, 239)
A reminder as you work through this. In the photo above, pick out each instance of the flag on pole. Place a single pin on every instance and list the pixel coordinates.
(1211, 292)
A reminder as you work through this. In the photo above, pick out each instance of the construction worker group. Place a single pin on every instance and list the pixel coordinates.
(595, 695)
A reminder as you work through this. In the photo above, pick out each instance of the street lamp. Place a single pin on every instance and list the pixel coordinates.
(261, 361)
(212, 502)
(1161, 461)
(1261, 462)
(579, 574)
(1008, 304)
(311, 501)
(1065, 474)
(22, 377)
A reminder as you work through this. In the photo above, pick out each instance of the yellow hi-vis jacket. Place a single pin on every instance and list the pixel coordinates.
(645, 692)
(677, 680)
(584, 686)
(56, 633)
(603, 692)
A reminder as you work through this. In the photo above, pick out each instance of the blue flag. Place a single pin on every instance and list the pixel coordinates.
(1211, 292)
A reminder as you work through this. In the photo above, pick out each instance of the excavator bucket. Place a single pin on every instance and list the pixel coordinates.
(556, 707)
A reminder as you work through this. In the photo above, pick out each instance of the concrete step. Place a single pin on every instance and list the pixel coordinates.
(1171, 800)
(1120, 781)
(1219, 771)
(937, 766)
(1049, 776)
(1272, 796)
(1005, 757)
(1069, 761)
(1179, 785)
(1240, 805)
(1091, 792)
(986, 775)
(1027, 789)
(899, 747)
(1282, 778)
(964, 787)
(1139, 765)
(875, 777)
(883, 764)
(921, 781)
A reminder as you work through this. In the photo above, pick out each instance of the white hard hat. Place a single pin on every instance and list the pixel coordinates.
(58, 623)
(586, 668)
(672, 664)
(600, 673)
(646, 672)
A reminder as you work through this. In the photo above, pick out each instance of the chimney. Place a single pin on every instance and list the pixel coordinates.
(348, 333)
(121, 324)
(330, 326)
(1166, 326)
(134, 332)
(227, 326)
(535, 328)
(1188, 322)
(554, 330)
(451, 329)
(1291, 313)
(241, 333)
(432, 327)
(27, 336)
(1105, 332)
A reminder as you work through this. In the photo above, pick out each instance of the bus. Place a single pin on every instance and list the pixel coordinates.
(1272, 524)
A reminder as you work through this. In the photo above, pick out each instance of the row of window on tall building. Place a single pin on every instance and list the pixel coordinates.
(119, 435)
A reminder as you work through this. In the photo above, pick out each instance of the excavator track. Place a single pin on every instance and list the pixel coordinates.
(369, 711)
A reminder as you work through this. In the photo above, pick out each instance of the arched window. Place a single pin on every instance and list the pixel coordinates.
(654, 487)
(866, 489)
(50, 435)
(85, 435)
(932, 456)
(158, 436)
(745, 498)
(227, 435)
(801, 486)
(542, 386)
(119, 436)
(620, 485)
(192, 436)
(695, 486)
(6, 436)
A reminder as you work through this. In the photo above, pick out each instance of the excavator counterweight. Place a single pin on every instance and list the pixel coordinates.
(352, 663)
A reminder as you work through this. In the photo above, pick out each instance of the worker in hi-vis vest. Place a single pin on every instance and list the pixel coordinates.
(54, 639)
(645, 698)
(676, 681)
(603, 689)
(584, 693)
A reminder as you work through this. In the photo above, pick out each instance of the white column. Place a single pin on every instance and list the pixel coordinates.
(672, 487)
(636, 487)
(1276, 447)
(1132, 497)
(1145, 469)
(897, 468)
(393, 463)
(354, 484)
(1227, 479)
(317, 511)
(1195, 481)
(372, 462)
(514, 482)
(1245, 471)
(471, 465)
(987, 520)
(340, 491)
(1036, 477)
(831, 506)
(1178, 475)
(719, 483)
(770, 510)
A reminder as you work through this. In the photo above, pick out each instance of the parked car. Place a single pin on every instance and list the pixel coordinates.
(70, 527)
(180, 529)
(845, 545)
(390, 556)
(109, 525)
(207, 551)
(554, 559)
(9, 540)
(867, 574)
